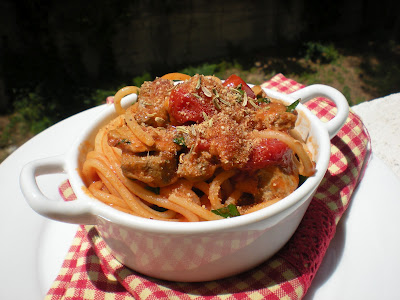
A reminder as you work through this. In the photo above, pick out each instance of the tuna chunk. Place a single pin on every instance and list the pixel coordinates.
(151, 109)
(154, 168)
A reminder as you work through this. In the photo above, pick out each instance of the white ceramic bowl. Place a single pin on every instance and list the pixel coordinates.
(198, 251)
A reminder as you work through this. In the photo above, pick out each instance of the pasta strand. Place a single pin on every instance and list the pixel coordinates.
(138, 131)
(122, 93)
(215, 186)
(307, 166)
(176, 76)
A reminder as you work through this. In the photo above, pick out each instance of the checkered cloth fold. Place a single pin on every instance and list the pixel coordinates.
(91, 272)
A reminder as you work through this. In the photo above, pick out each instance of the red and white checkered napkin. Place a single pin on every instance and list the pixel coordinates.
(91, 272)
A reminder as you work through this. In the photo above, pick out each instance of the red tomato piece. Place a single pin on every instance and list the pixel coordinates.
(268, 152)
(234, 81)
(186, 108)
(203, 145)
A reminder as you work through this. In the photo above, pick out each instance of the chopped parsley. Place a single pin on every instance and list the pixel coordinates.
(124, 141)
(292, 106)
(240, 89)
(180, 140)
(261, 99)
(227, 212)
(240, 93)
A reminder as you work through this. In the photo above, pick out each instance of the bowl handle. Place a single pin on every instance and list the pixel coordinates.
(76, 212)
(320, 90)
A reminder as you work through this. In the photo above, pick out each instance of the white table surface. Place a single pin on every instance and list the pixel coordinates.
(381, 118)
(36, 246)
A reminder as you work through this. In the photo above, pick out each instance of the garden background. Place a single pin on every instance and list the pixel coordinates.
(58, 58)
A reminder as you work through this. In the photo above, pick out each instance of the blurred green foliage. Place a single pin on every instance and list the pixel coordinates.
(42, 101)
(205, 69)
(320, 52)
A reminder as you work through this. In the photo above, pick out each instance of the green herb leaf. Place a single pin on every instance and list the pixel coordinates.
(263, 100)
(124, 141)
(240, 89)
(292, 106)
(180, 140)
(227, 212)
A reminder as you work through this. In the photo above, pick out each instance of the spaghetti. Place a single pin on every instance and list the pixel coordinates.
(185, 151)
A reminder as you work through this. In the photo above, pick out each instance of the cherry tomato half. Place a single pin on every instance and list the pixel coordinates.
(268, 152)
(187, 106)
(234, 81)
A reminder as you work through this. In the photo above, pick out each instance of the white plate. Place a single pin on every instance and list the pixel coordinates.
(362, 261)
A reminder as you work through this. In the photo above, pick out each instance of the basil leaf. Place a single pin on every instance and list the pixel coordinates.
(227, 212)
(292, 106)
(263, 100)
